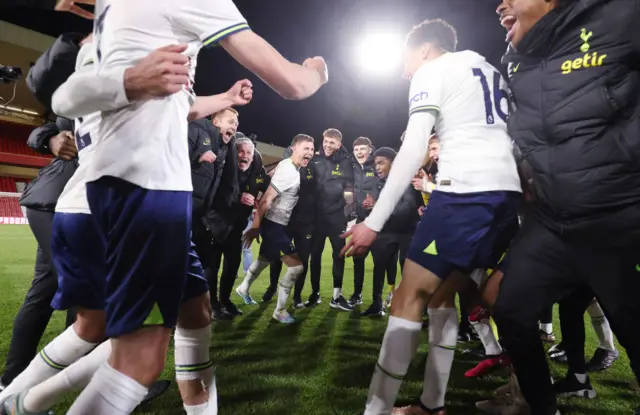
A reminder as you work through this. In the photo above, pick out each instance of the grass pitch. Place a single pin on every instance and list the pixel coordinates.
(321, 365)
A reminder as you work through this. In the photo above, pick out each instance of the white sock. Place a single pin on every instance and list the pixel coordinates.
(337, 292)
(479, 319)
(399, 345)
(57, 355)
(254, 272)
(109, 393)
(546, 327)
(443, 335)
(192, 354)
(601, 326)
(582, 377)
(286, 283)
(202, 409)
(45, 395)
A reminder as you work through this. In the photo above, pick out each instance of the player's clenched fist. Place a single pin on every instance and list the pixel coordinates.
(241, 92)
(164, 72)
(317, 63)
(208, 157)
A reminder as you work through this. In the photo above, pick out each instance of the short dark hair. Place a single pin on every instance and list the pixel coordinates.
(436, 31)
(386, 152)
(362, 141)
(301, 138)
(332, 133)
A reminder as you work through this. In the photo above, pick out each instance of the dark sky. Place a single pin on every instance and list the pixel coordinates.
(356, 102)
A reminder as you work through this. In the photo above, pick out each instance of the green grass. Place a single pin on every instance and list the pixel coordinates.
(322, 365)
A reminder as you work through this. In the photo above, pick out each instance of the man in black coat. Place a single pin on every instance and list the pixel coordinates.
(575, 81)
(365, 183)
(334, 177)
(243, 179)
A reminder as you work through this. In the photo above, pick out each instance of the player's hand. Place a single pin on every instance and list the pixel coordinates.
(249, 236)
(247, 199)
(368, 202)
(241, 92)
(70, 6)
(318, 64)
(361, 239)
(417, 183)
(421, 210)
(63, 145)
(163, 72)
(207, 157)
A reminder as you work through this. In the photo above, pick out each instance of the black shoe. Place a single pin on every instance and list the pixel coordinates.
(547, 337)
(314, 300)
(375, 310)
(297, 303)
(268, 295)
(340, 304)
(570, 386)
(158, 388)
(558, 354)
(218, 314)
(602, 360)
(637, 411)
(231, 309)
(356, 299)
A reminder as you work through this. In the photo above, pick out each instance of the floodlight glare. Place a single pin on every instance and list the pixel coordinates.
(380, 53)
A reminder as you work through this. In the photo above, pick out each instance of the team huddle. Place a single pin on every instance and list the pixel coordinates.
(123, 238)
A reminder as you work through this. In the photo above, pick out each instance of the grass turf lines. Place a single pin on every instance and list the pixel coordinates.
(321, 365)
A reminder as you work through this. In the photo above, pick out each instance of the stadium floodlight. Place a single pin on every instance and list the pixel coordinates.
(381, 53)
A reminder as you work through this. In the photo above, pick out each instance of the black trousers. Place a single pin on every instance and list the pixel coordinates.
(544, 268)
(303, 243)
(571, 312)
(358, 273)
(34, 314)
(322, 232)
(386, 251)
(547, 315)
(232, 251)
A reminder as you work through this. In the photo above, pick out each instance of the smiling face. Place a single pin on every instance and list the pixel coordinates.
(245, 156)
(227, 122)
(361, 153)
(519, 16)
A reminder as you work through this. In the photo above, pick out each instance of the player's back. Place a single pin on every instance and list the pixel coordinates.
(145, 142)
(471, 95)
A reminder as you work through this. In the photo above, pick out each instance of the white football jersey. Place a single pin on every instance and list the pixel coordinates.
(285, 181)
(471, 99)
(74, 196)
(145, 143)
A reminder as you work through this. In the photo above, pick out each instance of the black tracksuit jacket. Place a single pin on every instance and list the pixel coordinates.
(334, 176)
(575, 81)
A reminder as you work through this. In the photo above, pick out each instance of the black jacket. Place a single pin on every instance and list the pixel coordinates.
(43, 192)
(227, 215)
(54, 67)
(405, 216)
(204, 136)
(334, 175)
(365, 181)
(576, 87)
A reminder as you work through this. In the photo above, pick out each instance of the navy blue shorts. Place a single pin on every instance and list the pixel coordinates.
(196, 283)
(464, 231)
(78, 255)
(146, 236)
(276, 241)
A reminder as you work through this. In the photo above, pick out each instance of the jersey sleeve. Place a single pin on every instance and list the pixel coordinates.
(425, 93)
(210, 20)
(284, 177)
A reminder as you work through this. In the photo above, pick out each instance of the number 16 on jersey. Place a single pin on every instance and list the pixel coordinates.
(493, 96)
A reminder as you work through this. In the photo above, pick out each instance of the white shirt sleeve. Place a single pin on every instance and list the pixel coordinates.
(426, 91)
(209, 20)
(86, 92)
(284, 177)
(404, 168)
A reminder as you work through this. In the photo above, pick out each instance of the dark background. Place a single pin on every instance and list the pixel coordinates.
(354, 101)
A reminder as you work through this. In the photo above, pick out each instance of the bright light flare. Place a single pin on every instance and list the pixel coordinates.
(380, 53)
